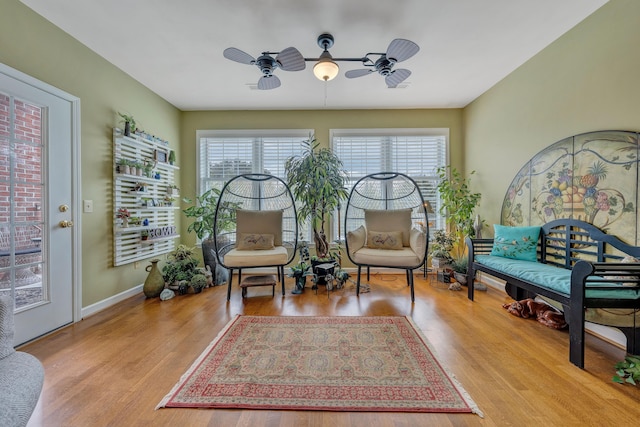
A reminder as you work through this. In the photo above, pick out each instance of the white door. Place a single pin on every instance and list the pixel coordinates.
(37, 136)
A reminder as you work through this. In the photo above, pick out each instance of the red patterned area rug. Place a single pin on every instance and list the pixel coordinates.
(320, 363)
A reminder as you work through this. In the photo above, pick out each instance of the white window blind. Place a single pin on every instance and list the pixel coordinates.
(223, 155)
(414, 152)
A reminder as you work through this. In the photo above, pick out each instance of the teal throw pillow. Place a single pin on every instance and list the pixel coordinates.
(516, 242)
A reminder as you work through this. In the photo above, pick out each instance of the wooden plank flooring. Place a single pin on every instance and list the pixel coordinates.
(113, 368)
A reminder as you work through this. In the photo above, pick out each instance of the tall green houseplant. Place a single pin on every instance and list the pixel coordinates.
(317, 180)
(458, 204)
(203, 214)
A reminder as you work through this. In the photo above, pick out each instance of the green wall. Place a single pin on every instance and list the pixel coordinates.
(587, 80)
(34, 46)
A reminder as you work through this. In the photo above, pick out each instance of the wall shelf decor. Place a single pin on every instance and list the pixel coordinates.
(150, 205)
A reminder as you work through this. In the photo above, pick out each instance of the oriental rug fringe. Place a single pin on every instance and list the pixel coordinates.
(323, 364)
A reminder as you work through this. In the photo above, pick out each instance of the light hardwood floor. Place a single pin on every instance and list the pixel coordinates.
(113, 368)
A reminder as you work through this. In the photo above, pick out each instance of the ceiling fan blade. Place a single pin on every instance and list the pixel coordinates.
(396, 77)
(291, 59)
(239, 56)
(268, 82)
(352, 74)
(401, 50)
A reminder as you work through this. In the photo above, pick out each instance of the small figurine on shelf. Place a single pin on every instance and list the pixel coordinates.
(123, 213)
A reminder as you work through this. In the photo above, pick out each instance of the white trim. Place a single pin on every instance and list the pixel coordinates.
(251, 133)
(391, 132)
(111, 301)
(76, 194)
(76, 190)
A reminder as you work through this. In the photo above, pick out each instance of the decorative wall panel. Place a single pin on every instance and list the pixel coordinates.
(592, 177)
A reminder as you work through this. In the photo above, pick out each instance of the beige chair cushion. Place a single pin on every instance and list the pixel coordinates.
(356, 239)
(389, 220)
(259, 222)
(254, 242)
(404, 257)
(268, 257)
(391, 240)
(418, 241)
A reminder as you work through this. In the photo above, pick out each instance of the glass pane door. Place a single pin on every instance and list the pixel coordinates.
(21, 202)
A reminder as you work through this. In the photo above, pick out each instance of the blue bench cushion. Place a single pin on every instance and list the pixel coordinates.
(550, 277)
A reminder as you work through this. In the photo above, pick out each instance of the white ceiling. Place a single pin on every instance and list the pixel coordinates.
(175, 47)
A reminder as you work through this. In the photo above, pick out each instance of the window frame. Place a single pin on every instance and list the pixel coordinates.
(257, 155)
(436, 219)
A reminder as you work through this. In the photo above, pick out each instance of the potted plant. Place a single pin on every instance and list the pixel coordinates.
(440, 249)
(173, 190)
(180, 268)
(203, 213)
(172, 157)
(459, 267)
(458, 204)
(144, 235)
(124, 215)
(122, 166)
(341, 277)
(139, 166)
(129, 124)
(300, 272)
(317, 181)
(148, 168)
(198, 282)
(628, 370)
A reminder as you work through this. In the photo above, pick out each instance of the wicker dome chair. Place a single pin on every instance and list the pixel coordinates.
(255, 225)
(386, 224)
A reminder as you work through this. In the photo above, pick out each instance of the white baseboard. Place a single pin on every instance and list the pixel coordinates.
(609, 334)
(106, 303)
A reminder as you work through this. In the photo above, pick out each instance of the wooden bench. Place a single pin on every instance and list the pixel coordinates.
(596, 279)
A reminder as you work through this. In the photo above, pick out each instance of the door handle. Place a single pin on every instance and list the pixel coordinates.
(66, 224)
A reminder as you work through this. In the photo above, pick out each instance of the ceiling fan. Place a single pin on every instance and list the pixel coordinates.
(290, 59)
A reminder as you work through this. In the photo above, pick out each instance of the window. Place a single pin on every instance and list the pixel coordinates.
(414, 152)
(225, 154)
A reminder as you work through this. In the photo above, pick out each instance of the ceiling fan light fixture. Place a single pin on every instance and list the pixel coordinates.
(325, 69)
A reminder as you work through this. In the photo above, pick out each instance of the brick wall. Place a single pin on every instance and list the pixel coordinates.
(20, 152)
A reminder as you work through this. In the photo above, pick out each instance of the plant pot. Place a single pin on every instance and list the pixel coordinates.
(437, 262)
(301, 282)
(154, 284)
(460, 277)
